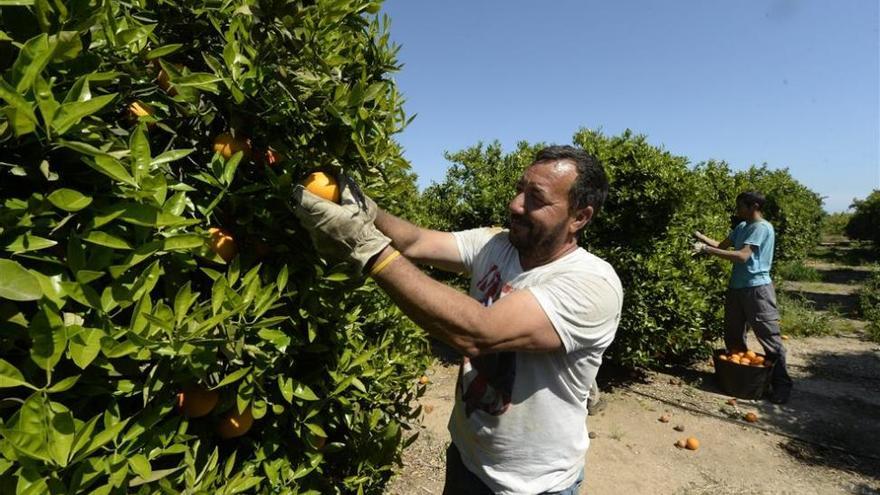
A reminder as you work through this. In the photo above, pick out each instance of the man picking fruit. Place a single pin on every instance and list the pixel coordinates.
(751, 298)
(540, 315)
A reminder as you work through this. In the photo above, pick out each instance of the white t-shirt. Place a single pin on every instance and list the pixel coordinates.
(519, 418)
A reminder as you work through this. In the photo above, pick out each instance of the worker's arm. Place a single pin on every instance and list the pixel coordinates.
(725, 244)
(737, 256)
(423, 246)
(516, 322)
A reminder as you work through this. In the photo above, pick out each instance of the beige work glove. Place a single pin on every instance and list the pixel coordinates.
(345, 231)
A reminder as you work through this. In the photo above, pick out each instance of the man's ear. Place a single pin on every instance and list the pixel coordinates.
(581, 218)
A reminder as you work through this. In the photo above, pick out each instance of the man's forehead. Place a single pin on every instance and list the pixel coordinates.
(550, 174)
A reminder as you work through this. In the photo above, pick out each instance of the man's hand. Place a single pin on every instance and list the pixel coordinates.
(699, 248)
(343, 231)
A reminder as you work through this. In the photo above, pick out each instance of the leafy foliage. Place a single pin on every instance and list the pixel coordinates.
(111, 300)
(673, 301)
(834, 224)
(797, 271)
(865, 221)
(869, 305)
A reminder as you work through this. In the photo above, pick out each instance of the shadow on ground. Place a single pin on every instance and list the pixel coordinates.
(847, 253)
(845, 304)
(846, 276)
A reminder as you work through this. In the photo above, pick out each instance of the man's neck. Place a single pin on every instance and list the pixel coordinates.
(757, 217)
(536, 258)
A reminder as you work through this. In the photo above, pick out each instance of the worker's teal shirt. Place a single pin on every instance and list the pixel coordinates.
(756, 270)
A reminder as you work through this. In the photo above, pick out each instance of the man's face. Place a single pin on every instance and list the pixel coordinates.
(743, 211)
(539, 213)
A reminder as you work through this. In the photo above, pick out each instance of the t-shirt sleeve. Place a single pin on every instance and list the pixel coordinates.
(583, 308)
(471, 242)
(757, 235)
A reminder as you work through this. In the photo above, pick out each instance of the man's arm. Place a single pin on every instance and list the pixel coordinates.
(739, 256)
(725, 244)
(423, 246)
(515, 322)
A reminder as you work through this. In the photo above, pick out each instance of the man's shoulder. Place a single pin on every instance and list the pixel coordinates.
(583, 263)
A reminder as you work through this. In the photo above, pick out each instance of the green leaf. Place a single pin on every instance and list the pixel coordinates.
(200, 80)
(303, 392)
(70, 114)
(49, 337)
(64, 385)
(183, 300)
(281, 279)
(232, 377)
(278, 338)
(85, 346)
(109, 434)
(69, 200)
(26, 432)
(316, 429)
(61, 433)
(111, 167)
(11, 377)
(163, 50)
(337, 277)
(45, 100)
(183, 242)
(67, 46)
(140, 465)
(17, 284)
(140, 152)
(32, 59)
(20, 111)
(106, 240)
(285, 386)
(28, 242)
(170, 156)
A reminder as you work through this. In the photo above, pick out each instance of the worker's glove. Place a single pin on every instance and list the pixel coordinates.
(697, 234)
(344, 231)
(699, 248)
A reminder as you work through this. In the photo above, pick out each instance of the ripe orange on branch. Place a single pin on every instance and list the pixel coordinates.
(322, 185)
(223, 243)
(227, 145)
(235, 424)
(196, 401)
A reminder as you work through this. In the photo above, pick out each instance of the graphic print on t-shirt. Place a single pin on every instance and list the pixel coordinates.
(487, 381)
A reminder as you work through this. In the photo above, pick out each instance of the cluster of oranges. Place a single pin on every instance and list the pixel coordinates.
(197, 401)
(746, 358)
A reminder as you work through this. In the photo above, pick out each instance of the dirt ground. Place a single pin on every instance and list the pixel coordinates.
(826, 440)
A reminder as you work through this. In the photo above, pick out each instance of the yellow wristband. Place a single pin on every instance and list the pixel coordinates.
(382, 264)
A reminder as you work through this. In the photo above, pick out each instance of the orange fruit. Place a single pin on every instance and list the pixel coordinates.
(751, 417)
(731, 402)
(723, 357)
(745, 361)
(227, 145)
(734, 359)
(138, 109)
(740, 354)
(196, 401)
(758, 360)
(785, 337)
(424, 380)
(233, 424)
(692, 443)
(751, 355)
(322, 185)
(222, 243)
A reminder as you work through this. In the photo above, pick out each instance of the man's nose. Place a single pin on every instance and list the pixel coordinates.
(517, 204)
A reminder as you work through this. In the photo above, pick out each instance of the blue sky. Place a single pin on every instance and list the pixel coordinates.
(793, 83)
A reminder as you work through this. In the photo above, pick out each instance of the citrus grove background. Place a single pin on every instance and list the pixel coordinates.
(165, 325)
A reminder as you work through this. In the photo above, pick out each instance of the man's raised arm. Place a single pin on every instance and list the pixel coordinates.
(422, 246)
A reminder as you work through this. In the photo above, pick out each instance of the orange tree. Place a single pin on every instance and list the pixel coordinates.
(672, 300)
(164, 323)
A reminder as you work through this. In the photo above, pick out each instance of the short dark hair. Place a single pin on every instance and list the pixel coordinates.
(590, 187)
(750, 198)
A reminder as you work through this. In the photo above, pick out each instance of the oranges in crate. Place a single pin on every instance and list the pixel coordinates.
(746, 358)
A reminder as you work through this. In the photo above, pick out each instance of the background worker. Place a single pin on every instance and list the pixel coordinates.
(532, 332)
(751, 297)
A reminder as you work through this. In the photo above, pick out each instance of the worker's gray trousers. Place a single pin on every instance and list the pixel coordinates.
(756, 307)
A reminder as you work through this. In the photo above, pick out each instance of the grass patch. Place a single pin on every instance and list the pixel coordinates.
(799, 317)
(797, 271)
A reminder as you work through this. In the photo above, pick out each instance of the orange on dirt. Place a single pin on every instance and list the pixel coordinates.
(692, 443)
(751, 417)
(785, 337)
(663, 419)
(323, 186)
(196, 401)
(222, 243)
(731, 402)
(233, 424)
(227, 145)
(424, 380)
